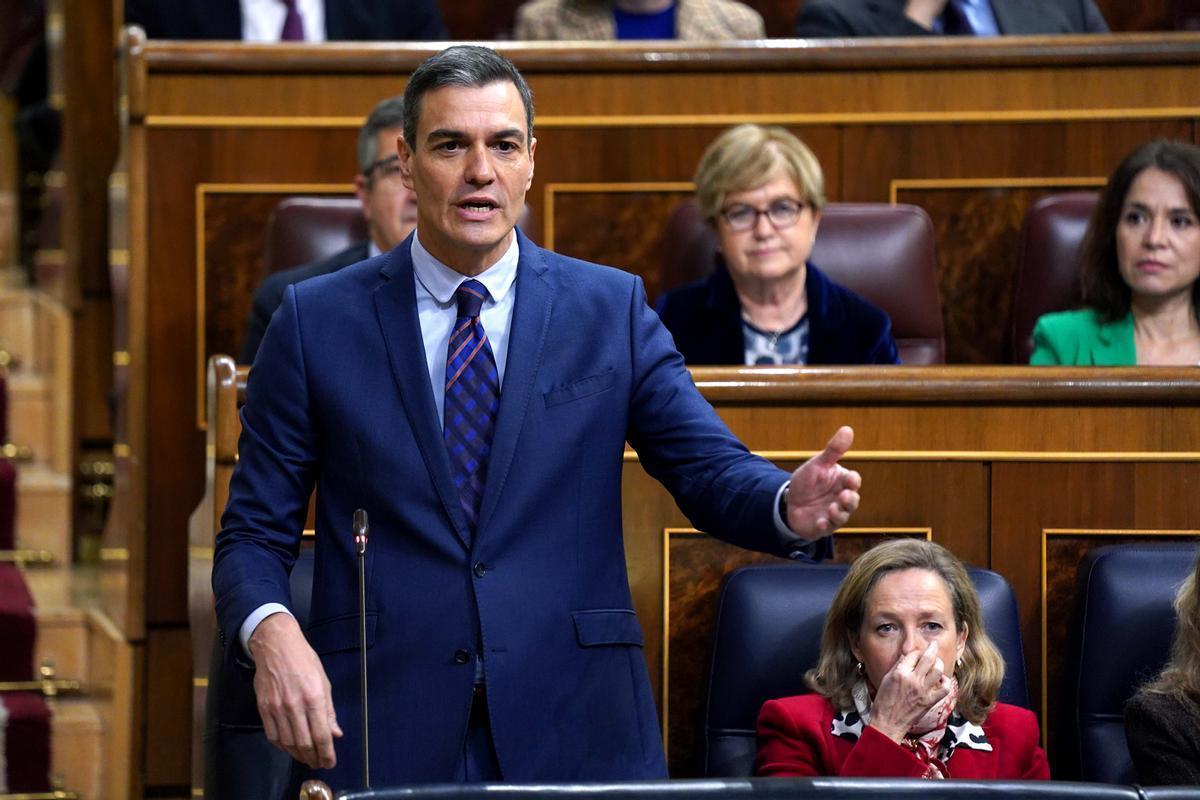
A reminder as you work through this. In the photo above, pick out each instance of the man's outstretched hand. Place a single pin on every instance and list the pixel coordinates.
(823, 494)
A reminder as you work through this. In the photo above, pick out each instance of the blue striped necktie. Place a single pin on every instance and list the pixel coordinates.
(472, 399)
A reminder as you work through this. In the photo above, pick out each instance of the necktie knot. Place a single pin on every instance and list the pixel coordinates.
(470, 295)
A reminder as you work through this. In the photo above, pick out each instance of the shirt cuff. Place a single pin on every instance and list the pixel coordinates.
(796, 546)
(257, 616)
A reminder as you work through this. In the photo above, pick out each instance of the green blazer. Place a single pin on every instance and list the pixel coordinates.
(1079, 338)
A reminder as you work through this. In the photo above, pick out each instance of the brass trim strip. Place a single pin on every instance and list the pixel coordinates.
(200, 683)
(114, 553)
(122, 358)
(898, 185)
(57, 794)
(631, 456)
(24, 557)
(48, 688)
(118, 257)
(122, 450)
(249, 121)
(201, 552)
(202, 191)
(1064, 532)
(711, 120)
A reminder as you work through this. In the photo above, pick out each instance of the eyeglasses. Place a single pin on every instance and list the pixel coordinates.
(783, 213)
(388, 168)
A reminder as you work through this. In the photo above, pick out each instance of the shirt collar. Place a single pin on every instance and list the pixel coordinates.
(960, 732)
(442, 282)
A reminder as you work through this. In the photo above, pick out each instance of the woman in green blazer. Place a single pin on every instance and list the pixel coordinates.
(1139, 269)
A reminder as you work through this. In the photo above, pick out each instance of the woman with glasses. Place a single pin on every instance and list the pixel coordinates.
(762, 190)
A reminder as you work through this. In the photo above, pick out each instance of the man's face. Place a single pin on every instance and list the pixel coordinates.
(389, 206)
(470, 167)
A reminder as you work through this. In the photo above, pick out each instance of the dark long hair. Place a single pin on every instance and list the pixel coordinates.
(1102, 287)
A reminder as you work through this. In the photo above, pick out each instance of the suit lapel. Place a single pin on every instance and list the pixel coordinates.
(396, 307)
(526, 341)
(1014, 17)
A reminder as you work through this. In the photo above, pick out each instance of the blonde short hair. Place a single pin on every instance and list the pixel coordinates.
(748, 156)
(982, 669)
(1180, 678)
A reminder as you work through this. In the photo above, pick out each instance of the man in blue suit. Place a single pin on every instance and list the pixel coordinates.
(474, 394)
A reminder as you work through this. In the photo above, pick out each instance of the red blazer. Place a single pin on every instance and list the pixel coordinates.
(794, 740)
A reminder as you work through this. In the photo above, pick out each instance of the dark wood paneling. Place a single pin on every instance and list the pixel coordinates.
(1070, 509)
(623, 229)
(168, 696)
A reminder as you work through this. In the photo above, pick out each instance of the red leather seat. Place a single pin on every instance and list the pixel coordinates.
(305, 229)
(302, 230)
(1047, 270)
(883, 252)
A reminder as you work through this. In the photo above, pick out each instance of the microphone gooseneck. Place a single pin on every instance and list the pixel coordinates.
(360, 543)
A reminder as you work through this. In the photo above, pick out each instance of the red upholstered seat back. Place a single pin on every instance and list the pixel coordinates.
(883, 252)
(305, 229)
(1047, 270)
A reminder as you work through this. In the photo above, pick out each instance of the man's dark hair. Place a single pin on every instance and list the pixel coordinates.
(387, 113)
(462, 65)
(1100, 282)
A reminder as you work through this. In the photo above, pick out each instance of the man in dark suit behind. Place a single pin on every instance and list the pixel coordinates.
(265, 20)
(849, 18)
(389, 206)
(474, 393)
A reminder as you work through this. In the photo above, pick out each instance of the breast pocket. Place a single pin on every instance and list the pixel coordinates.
(579, 389)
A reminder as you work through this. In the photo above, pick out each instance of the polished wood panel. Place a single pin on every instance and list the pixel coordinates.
(211, 127)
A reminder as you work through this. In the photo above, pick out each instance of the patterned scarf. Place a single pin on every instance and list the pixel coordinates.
(924, 739)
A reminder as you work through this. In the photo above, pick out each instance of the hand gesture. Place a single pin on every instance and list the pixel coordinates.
(924, 12)
(823, 494)
(293, 693)
(914, 685)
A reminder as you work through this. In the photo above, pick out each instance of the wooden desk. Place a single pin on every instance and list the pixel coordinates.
(216, 135)
(1019, 469)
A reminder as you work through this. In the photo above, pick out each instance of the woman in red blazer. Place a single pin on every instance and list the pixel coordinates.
(906, 683)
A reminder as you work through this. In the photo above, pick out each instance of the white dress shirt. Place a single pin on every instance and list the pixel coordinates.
(262, 20)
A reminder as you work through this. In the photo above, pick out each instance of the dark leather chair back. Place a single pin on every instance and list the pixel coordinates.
(1122, 632)
(883, 252)
(239, 762)
(1047, 270)
(768, 634)
(302, 230)
(305, 229)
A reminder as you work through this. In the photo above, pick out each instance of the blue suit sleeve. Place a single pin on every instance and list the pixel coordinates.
(722, 488)
(272, 482)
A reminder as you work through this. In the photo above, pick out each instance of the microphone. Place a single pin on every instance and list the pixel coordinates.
(360, 542)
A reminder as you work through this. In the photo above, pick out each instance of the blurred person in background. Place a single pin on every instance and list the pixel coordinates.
(288, 20)
(763, 190)
(906, 683)
(1138, 267)
(1162, 721)
(605, 20)
(389, 206)
(847, 18)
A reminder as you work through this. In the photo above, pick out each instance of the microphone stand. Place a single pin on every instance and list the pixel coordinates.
(360, 541)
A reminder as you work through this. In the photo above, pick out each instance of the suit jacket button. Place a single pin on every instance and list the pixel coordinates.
(480, 568)
(461, 656)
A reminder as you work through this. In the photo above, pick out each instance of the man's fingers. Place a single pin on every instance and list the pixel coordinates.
(322, 738)
(837, 447)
